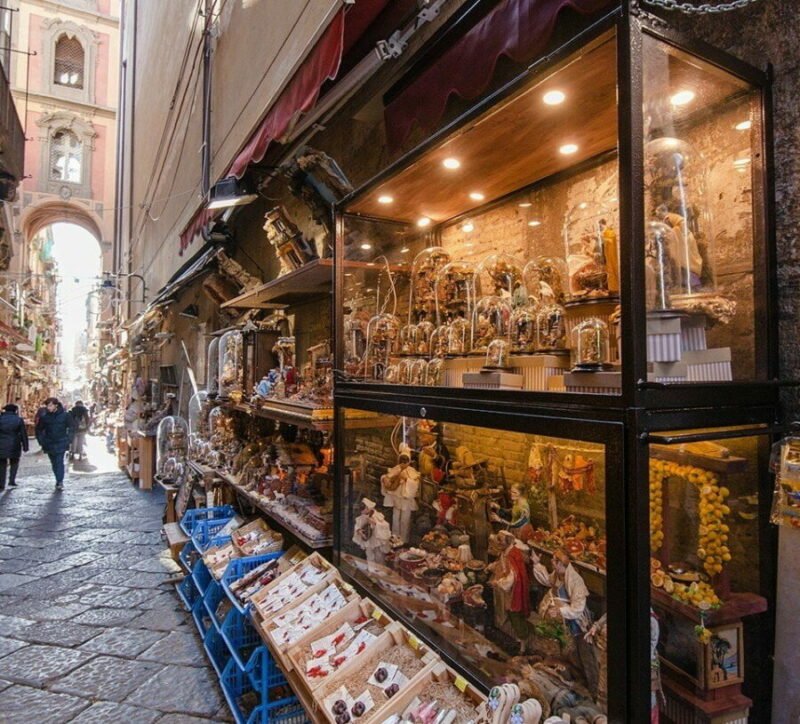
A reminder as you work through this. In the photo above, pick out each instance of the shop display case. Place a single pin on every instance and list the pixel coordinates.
(492, 541)
(231, 365)
(172, 450)
(605, 281)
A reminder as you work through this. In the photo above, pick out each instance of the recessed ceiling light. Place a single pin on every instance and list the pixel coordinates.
(369, 290)
(744, 125)
(451, 163)
(423, 222)
(568, 149)
(525, 205)
(366, 247)
(385, 199)
(370, 263)
(348, 274)
(741, 162)
(681, 98)
(554, 97)
(467, 227)
(477, 196)
(582, 205)
(534, 222)
(405, 250)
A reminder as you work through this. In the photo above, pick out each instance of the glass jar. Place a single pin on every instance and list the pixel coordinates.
(231, 367)
(172, 447)
(382, 339)
(404, 371)
(425, 270)
(425, 332)
(455, 290)
(212, 368)
(458, 337)
(659, 270)
(497, 354)
(197, 420)
(439, 340)
(490, 321)
(553, 273)
(433, 372)
(523, 330)
(551, 329)
(590, 345)
(592, 250)
(416, 374)
(407, 339)
(500, 275)
(675, 197)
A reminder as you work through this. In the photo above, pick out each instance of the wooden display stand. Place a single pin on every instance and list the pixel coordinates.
(147, 461)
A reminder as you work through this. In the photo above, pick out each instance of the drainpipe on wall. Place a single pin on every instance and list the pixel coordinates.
(207, 50)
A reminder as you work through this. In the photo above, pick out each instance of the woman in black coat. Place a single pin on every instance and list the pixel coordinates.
(54, 433)
(13, 440)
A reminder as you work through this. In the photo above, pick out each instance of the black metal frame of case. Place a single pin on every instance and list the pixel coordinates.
(626, 419)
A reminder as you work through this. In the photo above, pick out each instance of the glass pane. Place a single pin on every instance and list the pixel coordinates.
(492, 541)
(702, 166)
(709, 625)
(474, 265)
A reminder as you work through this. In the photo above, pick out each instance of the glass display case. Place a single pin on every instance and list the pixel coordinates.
(172, 450)
(612, 272)
(231, 365)
(710, 617)
(499, 557)
(212, 368)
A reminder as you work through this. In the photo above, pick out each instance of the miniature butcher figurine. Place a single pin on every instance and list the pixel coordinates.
(372, 533)
(400, 486)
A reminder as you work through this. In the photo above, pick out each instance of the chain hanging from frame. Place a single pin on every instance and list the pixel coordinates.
(691, 8)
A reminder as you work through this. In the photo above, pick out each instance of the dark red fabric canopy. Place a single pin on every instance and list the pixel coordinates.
(298, 96)
(516, 29)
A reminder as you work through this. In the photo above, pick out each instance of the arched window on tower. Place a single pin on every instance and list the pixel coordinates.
(66, 156)
(69, 62)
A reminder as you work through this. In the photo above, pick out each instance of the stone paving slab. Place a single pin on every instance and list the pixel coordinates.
(23, 704)
(107, 677)
(180, 689)
(177, 647)
(106, 712)
(128, 642)
(36, 665)
(8, 645)
(56, 611)
(185, 719)
(107, 616)
(162, 620)
(9, 625)
(13, 566)
(58, 633)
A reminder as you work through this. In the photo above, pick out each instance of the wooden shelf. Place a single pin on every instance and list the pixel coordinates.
(736, 607)
(318, 418)
(311, 280)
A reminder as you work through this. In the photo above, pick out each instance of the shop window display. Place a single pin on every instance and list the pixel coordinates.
(231, 365)
(706, 575)
(500, 558)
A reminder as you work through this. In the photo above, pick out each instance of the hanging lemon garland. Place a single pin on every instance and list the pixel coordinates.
(712, 548)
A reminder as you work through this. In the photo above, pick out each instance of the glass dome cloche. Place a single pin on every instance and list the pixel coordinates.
(172, 449)
(212, 368)
(590, 345)
(231, 365)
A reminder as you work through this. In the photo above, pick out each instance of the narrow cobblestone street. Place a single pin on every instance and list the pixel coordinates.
(89, 630)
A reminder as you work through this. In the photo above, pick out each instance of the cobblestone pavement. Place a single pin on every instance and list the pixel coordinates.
(89, 631)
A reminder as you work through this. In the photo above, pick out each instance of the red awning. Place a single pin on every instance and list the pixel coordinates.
(516, 29)
(297, 97)
(7, 331)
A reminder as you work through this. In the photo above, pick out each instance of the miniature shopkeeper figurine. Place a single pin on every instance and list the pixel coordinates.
(400, 486)
(511, 584)
(568, 596)
(518, 517)
(372, 533)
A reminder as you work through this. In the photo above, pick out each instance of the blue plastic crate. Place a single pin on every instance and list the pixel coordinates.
(285, 711)
(237, 689)
(192, 517)
(241, 637)
(187, 592)
(188, 556)
(200, 617)
(263, 672)
(205, 533)
(201, 576)
(239, 567)
(216, 650)
(213, 596)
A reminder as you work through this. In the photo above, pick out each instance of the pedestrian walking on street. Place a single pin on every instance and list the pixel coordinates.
(54, 433)
(38, 416)
(81, 421)
(13, 440)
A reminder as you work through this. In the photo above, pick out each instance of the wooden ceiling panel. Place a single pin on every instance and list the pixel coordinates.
(511, 146)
